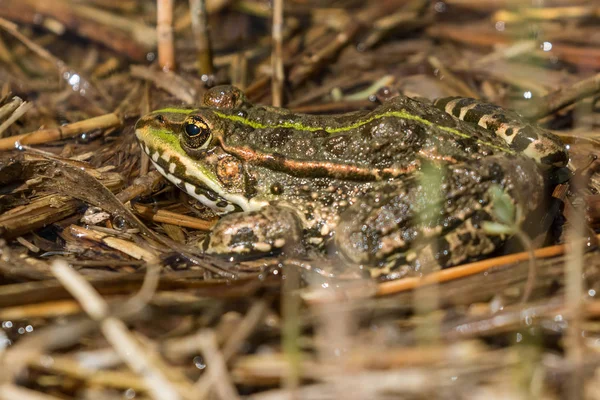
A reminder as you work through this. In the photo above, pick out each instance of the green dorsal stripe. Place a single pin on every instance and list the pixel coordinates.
(174, 111)
(397, 114)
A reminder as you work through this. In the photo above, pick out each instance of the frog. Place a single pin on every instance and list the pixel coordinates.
(404, 187)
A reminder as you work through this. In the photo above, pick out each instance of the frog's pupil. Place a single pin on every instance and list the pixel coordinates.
(192, 129)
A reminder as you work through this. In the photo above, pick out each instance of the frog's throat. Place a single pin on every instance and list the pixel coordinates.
(191, 176)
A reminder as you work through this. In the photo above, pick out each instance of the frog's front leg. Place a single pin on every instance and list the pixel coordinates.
(264, 231)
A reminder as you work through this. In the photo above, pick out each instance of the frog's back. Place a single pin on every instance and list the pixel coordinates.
(396, 136)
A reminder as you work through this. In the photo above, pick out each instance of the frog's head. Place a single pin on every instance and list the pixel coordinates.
(183, 146)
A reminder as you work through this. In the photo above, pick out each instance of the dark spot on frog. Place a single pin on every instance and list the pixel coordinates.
(208, 193)
(557, 158)
(277, 188)
(222, 204)
(478, 217)
(321, 133)
(251, 186)
(451, 222)
(524, 138)
(497, 120)
(278, 138)
(469, 145)
(244, 236)
(442, 251)
(509, 132)
(464, 237)
(462, 103)
(496, 172)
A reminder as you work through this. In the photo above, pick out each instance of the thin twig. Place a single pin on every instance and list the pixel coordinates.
(277, 55)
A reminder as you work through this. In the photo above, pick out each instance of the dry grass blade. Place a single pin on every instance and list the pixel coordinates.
(132, 353)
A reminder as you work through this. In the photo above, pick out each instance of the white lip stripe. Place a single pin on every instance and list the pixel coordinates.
(190, 166)
(191, 189)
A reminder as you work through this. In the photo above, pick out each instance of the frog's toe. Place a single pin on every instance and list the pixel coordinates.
(264, 231)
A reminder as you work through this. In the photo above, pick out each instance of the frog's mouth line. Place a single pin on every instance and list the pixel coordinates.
(186, 174)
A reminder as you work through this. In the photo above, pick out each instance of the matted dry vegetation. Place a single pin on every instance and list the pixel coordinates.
(104, 292)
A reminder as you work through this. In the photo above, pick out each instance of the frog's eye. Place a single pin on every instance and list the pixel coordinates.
(196, 133)
(192, 130)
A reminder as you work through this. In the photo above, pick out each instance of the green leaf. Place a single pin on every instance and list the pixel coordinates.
(504, 209)
(496, 228)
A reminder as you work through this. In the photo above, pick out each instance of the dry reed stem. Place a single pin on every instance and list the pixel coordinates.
(124, 246)
(462, 271)
(49, 309)
(545, 13)
(169, 217)
(164, 33)
(61, 132)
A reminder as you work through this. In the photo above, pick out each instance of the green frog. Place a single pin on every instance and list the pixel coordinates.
(398, 188)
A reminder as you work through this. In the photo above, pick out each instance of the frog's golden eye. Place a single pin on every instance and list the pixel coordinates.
(196, 133)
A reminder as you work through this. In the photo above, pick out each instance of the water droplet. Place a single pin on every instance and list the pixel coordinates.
(199, 362)
(440, 7)
(546, 46)
(519, 338)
